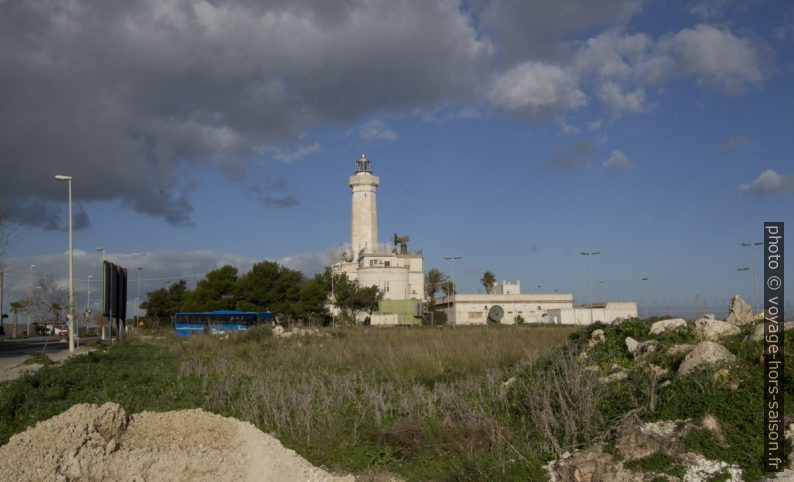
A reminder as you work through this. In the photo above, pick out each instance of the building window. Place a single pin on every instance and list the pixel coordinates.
(386, 286)
(475, 315)
(387, 263)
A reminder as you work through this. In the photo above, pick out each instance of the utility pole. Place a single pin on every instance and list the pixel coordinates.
(138, 299)
(452, 301)
(72, 318)
(100, 249)
(645, 295)
(30, 296)
(590, 255)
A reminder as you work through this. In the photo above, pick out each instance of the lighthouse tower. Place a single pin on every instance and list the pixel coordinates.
(364, 225)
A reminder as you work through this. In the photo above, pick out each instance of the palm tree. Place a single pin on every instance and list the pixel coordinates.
(447, 288)
(434, 279)
(488, 281)
(16, 307)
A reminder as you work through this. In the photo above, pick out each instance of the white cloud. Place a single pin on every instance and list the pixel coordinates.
(769, 182)
(619, 66)
(618, 161)
(536, 89)
(716, 57)
(619, 100)
(294, 153)
(376, 130)
(734, 142)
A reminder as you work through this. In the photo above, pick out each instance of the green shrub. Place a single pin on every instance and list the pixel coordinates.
(657, 463)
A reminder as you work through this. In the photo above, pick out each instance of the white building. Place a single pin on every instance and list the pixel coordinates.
(608, 312)
(506, 304)
(397, 272)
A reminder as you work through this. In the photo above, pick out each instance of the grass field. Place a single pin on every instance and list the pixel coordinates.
(469, 403)
(425, 403)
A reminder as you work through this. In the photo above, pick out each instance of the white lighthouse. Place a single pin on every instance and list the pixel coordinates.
(397, 272)
(364, 225)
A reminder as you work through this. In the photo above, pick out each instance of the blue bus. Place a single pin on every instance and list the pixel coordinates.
(218, 322)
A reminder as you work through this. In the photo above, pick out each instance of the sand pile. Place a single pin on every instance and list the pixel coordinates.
(89, 442)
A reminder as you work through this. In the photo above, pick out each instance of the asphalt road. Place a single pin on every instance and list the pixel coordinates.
(54, 344)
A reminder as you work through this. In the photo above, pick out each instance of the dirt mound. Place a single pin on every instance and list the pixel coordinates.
(91, 442)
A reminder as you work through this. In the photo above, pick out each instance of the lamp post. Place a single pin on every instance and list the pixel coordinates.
(645, 295)
(452, 302)
(138, 299)
(101, 250)
(68, 180)
(752, 246)
(30, 295)
(88, 295)
(590, 255)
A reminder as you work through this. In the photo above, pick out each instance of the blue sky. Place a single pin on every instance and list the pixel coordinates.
(515, 135)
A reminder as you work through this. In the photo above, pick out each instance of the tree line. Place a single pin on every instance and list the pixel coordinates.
(268, 286)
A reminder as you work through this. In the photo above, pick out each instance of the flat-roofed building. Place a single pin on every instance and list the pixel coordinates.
(506, 304)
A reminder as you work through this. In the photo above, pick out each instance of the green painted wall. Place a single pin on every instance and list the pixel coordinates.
(404, 309)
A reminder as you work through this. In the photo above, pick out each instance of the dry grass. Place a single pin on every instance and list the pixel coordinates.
(389, 396)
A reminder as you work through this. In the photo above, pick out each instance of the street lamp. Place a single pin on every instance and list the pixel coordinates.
(752, 246)
(138, 299)
(645, 296)
(590, 255)
(30, 294)
(72, 318)
(452, 302)
(101, 250)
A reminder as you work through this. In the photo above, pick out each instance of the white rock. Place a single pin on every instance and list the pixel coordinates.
(632, 344)
(713, 330)
(667, 325)
(740, 311)
(706, 354)
(679, 349)
(758, 333)
(703, 469)
(617, 376)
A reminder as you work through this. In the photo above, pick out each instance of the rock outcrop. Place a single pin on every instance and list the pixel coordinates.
(663, 326)
(706, 354)
(639, 349)
(740, 312)
(713, 330)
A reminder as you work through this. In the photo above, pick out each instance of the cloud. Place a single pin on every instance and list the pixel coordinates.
(376, 130)
(522, 29)
(130, 98)
(716, 57)
(273, 192)
(620, 101)
(769, 182)
(618, 161)
(308, 263)
(619, 66)
(571, 157)
(734, 142)
(296, 153)
(536, 89)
